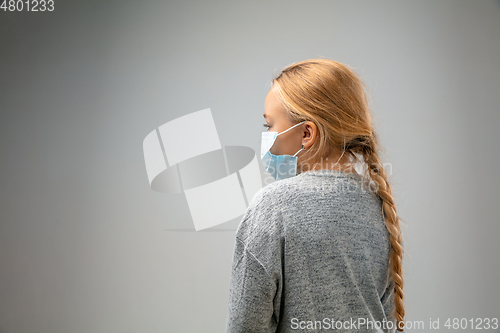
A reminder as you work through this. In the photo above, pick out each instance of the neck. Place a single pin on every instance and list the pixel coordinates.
(335, 162)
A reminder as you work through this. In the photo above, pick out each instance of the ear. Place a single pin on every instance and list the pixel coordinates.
(309, 134)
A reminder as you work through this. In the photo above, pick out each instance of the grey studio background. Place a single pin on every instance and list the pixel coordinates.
(83, 246)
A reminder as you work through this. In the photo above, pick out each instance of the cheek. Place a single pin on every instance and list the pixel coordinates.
(280, 147)
(276, 149)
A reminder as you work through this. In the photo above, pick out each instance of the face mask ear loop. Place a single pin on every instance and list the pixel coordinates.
(340, 157)
(301, 149)
(343, 151)
(291, 128)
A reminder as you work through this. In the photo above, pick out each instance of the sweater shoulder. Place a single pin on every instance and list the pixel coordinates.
(274, 194)
(263, 217)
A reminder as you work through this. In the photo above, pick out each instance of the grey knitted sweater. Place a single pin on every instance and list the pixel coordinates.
(311, 255)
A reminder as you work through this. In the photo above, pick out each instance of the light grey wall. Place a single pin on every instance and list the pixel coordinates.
(82, 240)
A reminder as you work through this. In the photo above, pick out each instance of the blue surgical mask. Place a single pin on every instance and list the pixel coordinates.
(278, 166)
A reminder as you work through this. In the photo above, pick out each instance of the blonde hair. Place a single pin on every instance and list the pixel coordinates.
(331, 95)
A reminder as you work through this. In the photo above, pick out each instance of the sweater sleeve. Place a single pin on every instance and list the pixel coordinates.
(251, 295)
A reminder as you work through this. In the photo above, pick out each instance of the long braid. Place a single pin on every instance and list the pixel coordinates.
(369, 149)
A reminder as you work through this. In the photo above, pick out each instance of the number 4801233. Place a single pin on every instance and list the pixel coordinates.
(27, 6)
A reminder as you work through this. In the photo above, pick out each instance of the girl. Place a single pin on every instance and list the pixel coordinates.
(321, 248)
